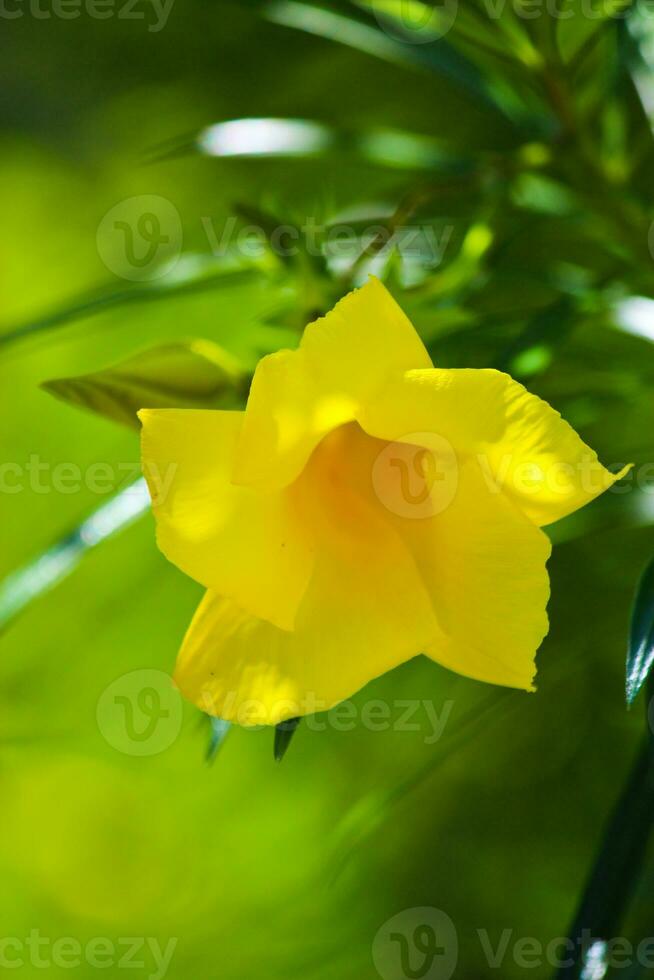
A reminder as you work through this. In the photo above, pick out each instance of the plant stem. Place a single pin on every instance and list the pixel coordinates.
(618, 865)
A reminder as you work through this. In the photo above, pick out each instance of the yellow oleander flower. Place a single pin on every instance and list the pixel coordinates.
(364, 508)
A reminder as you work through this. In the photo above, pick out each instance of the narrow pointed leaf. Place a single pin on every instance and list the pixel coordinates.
(415, 21)
(640, 655)
(284, 732)
(25, 584)
(580, 21)
(192, 273)
(219, 730)
(197, 374)
(345, 28)
(614, 878)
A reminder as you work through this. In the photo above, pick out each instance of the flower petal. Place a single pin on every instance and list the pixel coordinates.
(246, 545)
(484, 564)
(365, 611)
(299, 396)
(525, 448)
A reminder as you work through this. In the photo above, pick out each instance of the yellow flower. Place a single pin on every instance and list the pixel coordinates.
(364, 508)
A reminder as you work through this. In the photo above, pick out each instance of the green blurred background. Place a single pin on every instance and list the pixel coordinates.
(536, 152)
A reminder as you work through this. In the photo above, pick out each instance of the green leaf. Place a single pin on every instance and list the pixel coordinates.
(419, 22)
(284, 732)
(344, 27)
(269, 137)
(615, 875)
(25, 584)
(640, 655)
(192, 273)
(580, 23)
(533, 350)
(196, 374)
(219, 731)
(377, 807)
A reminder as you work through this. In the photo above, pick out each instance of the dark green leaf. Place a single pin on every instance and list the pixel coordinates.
(284, 732)
(533, 350)
(640, 655)
(344, 27)
(196, 374)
